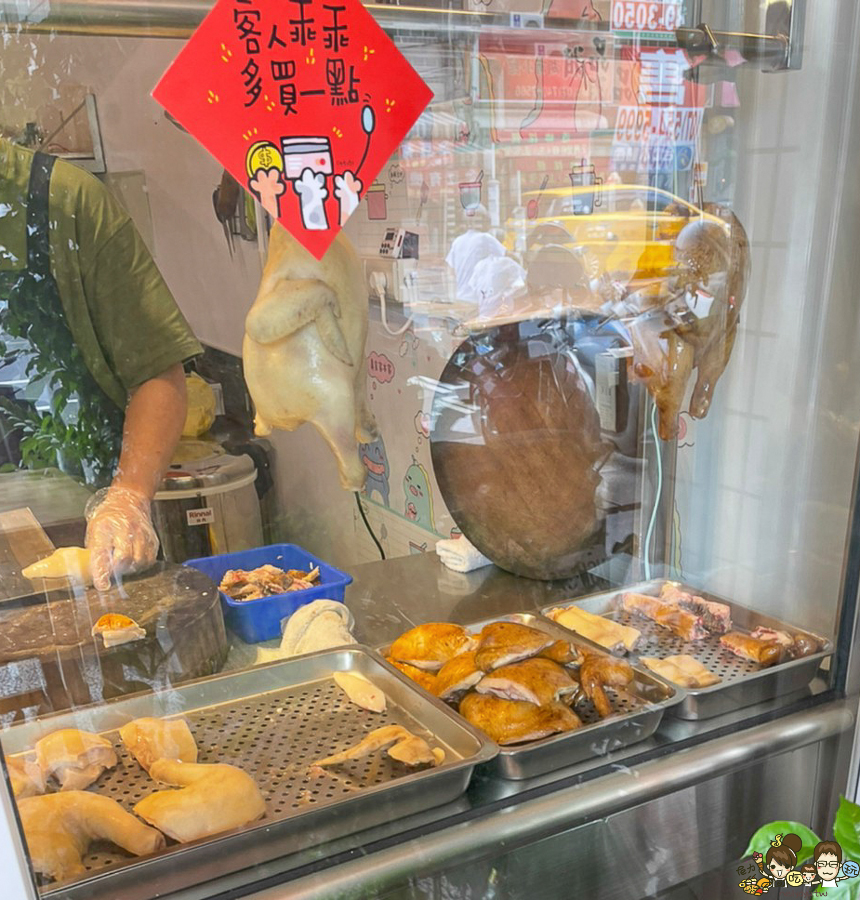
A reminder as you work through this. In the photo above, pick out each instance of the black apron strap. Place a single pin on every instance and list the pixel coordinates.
(38, 219)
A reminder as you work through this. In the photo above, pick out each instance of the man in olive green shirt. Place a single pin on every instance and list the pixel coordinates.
(125, 328)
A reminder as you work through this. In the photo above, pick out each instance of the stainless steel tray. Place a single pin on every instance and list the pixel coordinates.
(637, 715)
(743, 683)
(272, 721)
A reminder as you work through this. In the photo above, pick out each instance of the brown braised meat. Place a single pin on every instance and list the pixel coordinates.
(516, 721)
(539, 681)
(431, 645)
(503, 643)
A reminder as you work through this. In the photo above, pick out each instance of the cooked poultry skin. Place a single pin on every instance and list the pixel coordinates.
(75, 758)
(598, 672)
(539, 681)
(151, 738)
(360, 691)
(516, 721)
(503, 643)
(563, 653)
(26, 776)
(402, 745)
(59, 829)
(211, 799)
(421, 677)
(605, 632)
(457, 676)
(431, 645)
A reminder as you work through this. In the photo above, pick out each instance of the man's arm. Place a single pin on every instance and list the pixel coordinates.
(120, 533)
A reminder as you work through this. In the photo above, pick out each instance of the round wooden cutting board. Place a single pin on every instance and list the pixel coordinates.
(517, 448)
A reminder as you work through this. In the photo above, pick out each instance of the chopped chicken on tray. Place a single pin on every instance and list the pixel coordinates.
(503, 643)
(210, 799)
(150, 738)
(401, 745)
(516, 721)
(75, 758)
(540, 681)
(431, 645)
(457, 676)
(616, 638)
(682, 669)
(421, 677)
(60, 827)
(599, 672)
(360, 691)
(26, 776)
(265, 581)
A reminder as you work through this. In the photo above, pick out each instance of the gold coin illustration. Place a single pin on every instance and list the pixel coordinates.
(263, 155)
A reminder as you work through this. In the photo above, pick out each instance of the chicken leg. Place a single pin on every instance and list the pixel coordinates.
(211, 799)
(59, 828)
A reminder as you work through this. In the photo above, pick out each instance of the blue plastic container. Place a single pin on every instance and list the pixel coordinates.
(260, 620)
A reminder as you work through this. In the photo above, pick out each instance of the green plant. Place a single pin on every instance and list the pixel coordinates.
(846, 832)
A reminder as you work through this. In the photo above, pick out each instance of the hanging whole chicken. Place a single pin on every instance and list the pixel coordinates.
(304, 348)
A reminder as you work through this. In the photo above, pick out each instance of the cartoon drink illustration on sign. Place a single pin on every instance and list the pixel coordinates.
(302, 101)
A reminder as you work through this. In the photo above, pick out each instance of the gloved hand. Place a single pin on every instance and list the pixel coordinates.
(120, 535)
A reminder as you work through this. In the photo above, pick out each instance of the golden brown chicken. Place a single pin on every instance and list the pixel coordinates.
(75, 758)
(539, 681)
(60, 827)
(210, 799)
(431, 645)
(563, 653)
(421, 677)
(457, 676)
(516, 721)
(401, 745)
(503, 643)
(149, 739)
(599, 672)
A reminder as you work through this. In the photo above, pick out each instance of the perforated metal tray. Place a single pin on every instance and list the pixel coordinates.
(742, 682)
(636, 714)
(273, 721)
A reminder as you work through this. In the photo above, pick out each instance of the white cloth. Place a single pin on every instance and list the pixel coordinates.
(466, 252)
(317, 626)
(494, 280)
(460, 555)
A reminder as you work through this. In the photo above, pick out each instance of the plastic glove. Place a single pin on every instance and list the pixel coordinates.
(120, 535)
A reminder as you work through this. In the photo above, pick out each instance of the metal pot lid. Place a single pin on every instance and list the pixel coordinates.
(222, 470)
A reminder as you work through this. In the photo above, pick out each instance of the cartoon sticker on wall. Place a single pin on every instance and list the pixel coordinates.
(375, 461)
(419, 499)
(302, 101)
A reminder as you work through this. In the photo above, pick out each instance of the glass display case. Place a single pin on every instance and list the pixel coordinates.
(557, 440)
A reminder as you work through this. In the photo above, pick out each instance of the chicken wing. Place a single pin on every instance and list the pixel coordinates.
(516, 721)
(457, 676)
(402, 745)
(210, 799)
(563, 653)
(75, 758)
(431, 645)
(539, 681)
(503, 643)
(60, 827)
(598, 672)
(149, 739)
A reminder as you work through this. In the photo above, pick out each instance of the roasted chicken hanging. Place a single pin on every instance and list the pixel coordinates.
(304, 348)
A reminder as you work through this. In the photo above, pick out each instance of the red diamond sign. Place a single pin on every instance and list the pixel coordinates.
(302, 101)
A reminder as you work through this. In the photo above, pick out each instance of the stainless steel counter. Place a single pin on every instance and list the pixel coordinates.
(496, 816)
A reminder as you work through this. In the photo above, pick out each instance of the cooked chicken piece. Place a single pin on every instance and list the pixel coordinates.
(211, 799)
(682, 669)
(716, 617)
(539, 681)
(598, 672)
(149, 739)
(563, 653)
(26, 776)
(431, 645)
(457, 676)
(304, 348)
(65, 562)
(765, 653)
(421, 677)
(503, 643)
(516, 721)
(605, 632)
(687, 625)
(360, 691)
(59, 828)
(408, 748)
(117, 629)
(75, 758)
